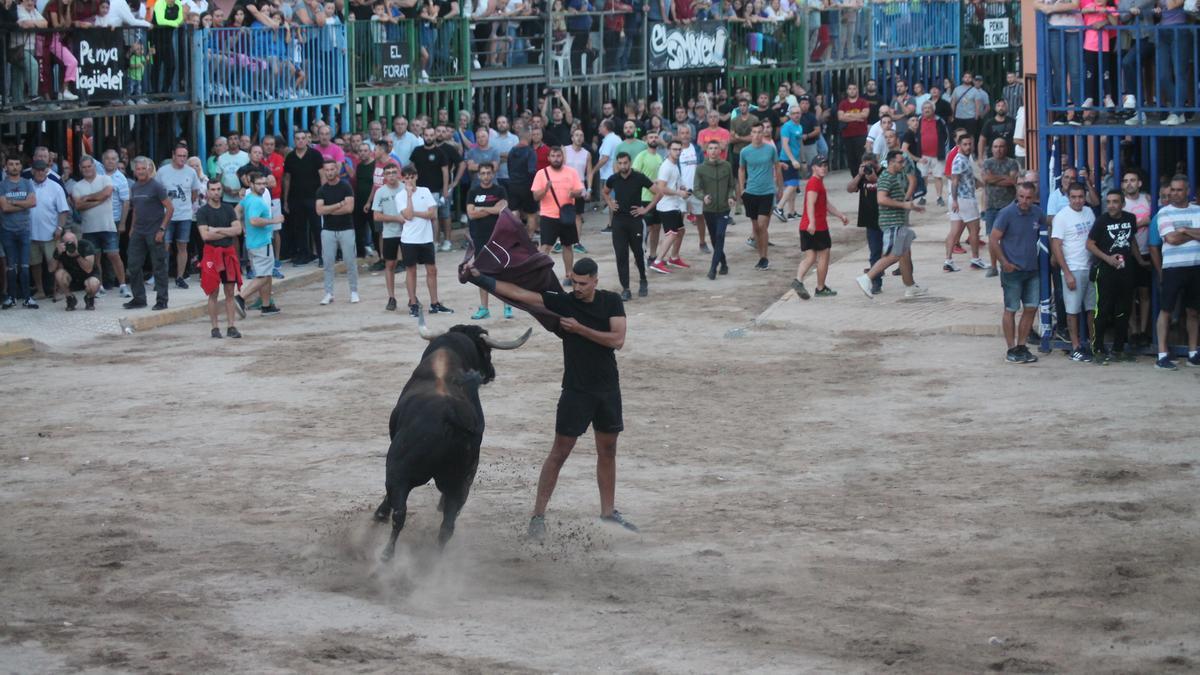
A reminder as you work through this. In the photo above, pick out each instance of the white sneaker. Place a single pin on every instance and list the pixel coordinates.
(978, 264)
(754, 61)
(1136, 120)
(915, 291)
(446, 245)
(67, 96)
(370, 251)
(864, 282)
(125, 292)
(1129, 101)
(1172, 120)
(1108, 102)
(1088, 103)
(353, 297)
(327, 299)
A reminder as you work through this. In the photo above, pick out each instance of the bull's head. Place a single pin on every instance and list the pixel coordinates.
(484, 343)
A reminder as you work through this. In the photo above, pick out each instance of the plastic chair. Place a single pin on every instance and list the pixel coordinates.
(562, 58)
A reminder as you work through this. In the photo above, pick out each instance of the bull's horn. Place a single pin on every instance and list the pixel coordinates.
(507, 344)
(422, 328)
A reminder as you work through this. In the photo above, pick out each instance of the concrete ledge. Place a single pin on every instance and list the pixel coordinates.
(151, 319)
(12, 345)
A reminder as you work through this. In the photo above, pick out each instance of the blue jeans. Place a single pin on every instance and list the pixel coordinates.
(875, 246)
(1140, 52)
(1171, 61)
(716, 224)
(1068, 52)
(16, 246)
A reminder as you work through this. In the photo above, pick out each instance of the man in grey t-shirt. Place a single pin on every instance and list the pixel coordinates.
(152, 212)
(183, 186)
(17, 197)
(968, 104)
(484, 153)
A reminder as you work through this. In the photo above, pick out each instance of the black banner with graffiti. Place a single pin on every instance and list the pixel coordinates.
(699, 46)
(101, 56)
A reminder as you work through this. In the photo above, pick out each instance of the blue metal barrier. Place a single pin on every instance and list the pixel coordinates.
(914, 26)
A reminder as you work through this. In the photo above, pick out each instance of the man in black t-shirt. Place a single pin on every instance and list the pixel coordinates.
(455, 190)
(485, 202)
(627, 211)
(592, 329)
(219, 228)
(433, 167)
(864, 183)
(77, 270)
(1111, 242)
(364, 185)
(301, 178)
(335, 205)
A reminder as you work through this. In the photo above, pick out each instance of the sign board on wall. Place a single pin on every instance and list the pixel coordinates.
(698, 46)
(101, 57)
(395, 62)
(995, 33)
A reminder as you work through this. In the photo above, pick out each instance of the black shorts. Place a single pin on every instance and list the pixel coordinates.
(757, 206)
(78, 281)
(1179, 282)
(579, 409)
(1142, 275)
(391, 248)
(651, 216)
(418, 254)
(817, 241)
(671, 220)
(480, 234)
(520, 197)
(553, 229)
(580, 205)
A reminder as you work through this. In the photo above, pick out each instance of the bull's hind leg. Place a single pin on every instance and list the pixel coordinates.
(398, 498)
(384, 510)
(453, 500)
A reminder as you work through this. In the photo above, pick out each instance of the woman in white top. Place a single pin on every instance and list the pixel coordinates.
(579, 158)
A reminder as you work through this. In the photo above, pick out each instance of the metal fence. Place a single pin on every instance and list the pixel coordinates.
(260, 65)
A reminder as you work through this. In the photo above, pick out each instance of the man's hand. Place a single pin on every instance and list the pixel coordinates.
(912, 206)
(812, 228)
(1008, 267)
(707, 200)
(570, 325)
(471, 269)
(796, 165)
(845, 220)
(158, 236)
(732, 202)
(60, 246)
(1069, 278)
(639, 211)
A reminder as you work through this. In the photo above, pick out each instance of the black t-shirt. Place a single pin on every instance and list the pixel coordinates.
(875, 103)
(245, 170)
(993, 129)
(429, 161)
(771, 115)
(1114, 236)
(222, 216)
(335, 194)
(809, 121)
(587, 366)
(305, 174)
(453, 157)
(364, 182)
(485, 197)
(868, 201)
(557, 134)
(71, 263)
(628, 191)
(943, 109)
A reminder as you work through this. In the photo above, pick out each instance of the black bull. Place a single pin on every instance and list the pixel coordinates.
(437, 425)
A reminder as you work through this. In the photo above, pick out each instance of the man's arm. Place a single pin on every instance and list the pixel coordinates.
(996, 249)
(94, 199)
(287, 186)
(445, 180)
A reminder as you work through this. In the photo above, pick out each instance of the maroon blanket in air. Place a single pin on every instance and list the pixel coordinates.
(511, 256)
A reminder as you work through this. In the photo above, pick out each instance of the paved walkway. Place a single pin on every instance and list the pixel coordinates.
(964, 303)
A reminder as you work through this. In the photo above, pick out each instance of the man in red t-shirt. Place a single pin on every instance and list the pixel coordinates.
(274, 163)
(814, 230)
(539, 148)
(852, 113)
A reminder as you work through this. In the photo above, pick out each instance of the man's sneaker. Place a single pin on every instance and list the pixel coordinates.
(1129, 102)
(1102, 358)
(354, 299)
(1028, 355)
(949, 266)
(660, 267)
(578, 248)
(677, 262)
(89, 302)
(30, 303)
(1080, 356)
(1165, 363)
(391, 304)
(607, 229)
(370, 251)
(780, 214)
(277, 273)
(557, 247)
(239, 304)
(643, 289)
(915, 291)
(537, 528)
(704, 248)
(327, 299)
(826, 292)
(978, 264)
(159, 306)
(132, 304)
(921, 201)
(320, 263)
(1014, 355)
(446, 245)
(801, 291)
(71, 302)
(414, 309)
(712, 275)
(1172, 120)
(180, 283)
(959, 250)
(617, 519)
(762, 265)
(508, 312)
(125, 292)
(378, 266)
(216, 333)
(9, 303)
(941, 202)
(270, 310)
(794, 216)
(723, 269)
(1194, 360)
(481, 314)
(233, 332)
(751, 243)
(626, 295)
(864, 282)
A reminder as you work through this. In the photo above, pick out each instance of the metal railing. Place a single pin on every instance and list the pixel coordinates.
(248, 66)
(901, 27)
(408, 52)
(839, 34)
(766, 43)
(47, 67)
(1081, 76)
(507, 46)
(587, 44)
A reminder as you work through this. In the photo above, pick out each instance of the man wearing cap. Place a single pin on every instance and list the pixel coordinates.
(48, 219)
(894, 206)
(592, 330)
(814, 231)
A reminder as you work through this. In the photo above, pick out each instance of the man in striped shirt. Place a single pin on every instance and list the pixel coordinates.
(894, 205)
(1179, 227)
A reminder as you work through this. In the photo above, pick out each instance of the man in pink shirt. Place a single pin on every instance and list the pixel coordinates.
(714, 132)
(329, 150)
(554, 187)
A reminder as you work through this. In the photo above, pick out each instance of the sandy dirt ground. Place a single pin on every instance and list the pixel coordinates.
(817, 498)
